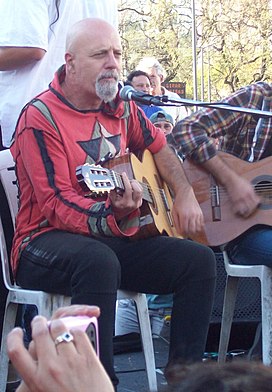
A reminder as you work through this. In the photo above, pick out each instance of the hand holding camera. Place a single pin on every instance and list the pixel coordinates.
(60, 357)
(84, 323)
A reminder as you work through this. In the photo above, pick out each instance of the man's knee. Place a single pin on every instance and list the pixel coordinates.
(199, 261)
(98, 263)
(205, 262)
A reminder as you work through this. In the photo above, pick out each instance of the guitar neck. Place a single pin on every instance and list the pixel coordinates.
(119, 185)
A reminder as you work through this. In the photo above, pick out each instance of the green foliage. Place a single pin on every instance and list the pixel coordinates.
(233, 41)
(158, 32)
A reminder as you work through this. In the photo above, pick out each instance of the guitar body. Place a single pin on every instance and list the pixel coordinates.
(221, 224)
(155, 214)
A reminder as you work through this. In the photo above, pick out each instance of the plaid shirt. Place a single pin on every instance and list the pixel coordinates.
(243, 135)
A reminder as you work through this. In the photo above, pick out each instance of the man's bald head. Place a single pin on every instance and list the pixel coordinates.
(89, 28)
(93, 62)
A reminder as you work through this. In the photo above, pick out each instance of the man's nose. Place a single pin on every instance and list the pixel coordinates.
(112, 61)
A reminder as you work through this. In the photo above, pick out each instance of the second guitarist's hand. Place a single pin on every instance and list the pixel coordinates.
(126, 202)
(241, 193)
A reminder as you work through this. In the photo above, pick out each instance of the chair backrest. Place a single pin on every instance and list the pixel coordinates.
(8, 211)
(8, 181)
(5, 261)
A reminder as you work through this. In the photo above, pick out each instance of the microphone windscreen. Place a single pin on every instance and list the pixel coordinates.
(125, 93)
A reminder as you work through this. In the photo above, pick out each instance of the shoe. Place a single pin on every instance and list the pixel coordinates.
(128, 343)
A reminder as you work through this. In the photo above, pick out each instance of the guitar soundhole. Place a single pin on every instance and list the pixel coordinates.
(153, 203)
(263, 187)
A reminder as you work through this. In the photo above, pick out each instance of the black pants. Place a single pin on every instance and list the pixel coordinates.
(92, 270)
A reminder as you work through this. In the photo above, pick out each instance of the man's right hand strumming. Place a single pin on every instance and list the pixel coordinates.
(241, 193)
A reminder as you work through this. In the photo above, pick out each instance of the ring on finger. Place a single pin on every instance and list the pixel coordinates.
(66, 337)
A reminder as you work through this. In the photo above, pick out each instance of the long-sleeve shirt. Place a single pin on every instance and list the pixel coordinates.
(47, 154)
(246, 136)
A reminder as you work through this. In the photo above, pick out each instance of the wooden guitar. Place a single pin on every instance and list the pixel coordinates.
(156, 209)
(221, 224)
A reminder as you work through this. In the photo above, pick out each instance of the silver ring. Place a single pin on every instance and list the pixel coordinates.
(65, 337)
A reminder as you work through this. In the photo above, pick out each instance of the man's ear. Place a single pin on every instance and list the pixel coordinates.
(69, 60)
(161, 78)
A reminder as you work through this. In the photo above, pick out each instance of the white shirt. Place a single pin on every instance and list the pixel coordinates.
(177, 112)
(26, 23)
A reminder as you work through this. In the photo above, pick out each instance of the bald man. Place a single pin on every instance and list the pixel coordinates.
(69, 243)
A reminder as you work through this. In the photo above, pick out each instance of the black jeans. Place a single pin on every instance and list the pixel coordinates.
(91, 271)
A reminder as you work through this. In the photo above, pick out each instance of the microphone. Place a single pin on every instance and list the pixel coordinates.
(128, 93)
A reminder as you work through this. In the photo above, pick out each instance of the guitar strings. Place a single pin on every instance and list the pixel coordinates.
(264, 190)
(258, 188)
(146, 187)
(149, 191)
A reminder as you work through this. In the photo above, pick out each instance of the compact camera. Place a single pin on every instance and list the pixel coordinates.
(87, 324)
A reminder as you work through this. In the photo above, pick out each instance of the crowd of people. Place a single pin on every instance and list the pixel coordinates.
(69, 243)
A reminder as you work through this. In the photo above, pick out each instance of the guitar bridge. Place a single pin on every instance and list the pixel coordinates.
(167, 208)
(215, 201)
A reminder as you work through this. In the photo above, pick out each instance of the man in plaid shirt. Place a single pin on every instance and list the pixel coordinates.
(245, 136)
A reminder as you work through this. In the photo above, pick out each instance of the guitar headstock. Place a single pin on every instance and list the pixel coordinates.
(94, 179)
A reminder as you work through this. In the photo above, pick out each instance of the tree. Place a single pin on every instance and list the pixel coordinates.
(158, 28)
(237, 37)
(233, 36)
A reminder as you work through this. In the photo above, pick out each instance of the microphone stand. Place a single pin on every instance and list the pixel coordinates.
(164, 101)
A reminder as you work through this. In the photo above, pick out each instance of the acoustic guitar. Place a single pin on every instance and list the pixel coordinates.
(221, 224)
(156, 215)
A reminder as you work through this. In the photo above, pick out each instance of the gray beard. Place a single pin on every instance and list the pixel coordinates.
(106, 90)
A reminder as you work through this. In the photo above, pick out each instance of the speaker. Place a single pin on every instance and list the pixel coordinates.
(248, 301)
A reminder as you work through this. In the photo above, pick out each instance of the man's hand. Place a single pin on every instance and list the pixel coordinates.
(67, 367)
(186, 212)
(187, 215)
(242, 195)
(131, 199)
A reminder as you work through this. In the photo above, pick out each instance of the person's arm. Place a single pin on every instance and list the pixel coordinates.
(187, 215)
(12, 58)
(241, 192)
(68, 367)
(195, 136)
(23, 33)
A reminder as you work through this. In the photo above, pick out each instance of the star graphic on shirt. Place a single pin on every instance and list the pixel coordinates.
(101, 144)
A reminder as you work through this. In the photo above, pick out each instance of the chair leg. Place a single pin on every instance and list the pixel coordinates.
(266, 289)
(144, 322)
(49, 303)
(8, 325)
(59, 301)
(227, 316)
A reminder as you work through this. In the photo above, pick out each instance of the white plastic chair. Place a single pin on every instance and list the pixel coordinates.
(48, 303)
(234, 272)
